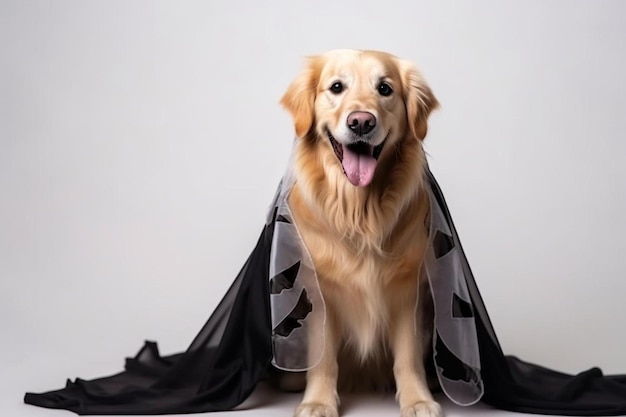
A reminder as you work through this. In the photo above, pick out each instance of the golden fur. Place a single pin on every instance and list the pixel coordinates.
(367, 241)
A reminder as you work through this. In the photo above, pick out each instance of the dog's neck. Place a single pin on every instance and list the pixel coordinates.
(364, 217)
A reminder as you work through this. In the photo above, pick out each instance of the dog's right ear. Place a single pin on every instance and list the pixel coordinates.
(299, 99)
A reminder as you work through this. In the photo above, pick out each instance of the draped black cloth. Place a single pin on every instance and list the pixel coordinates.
(233, 351)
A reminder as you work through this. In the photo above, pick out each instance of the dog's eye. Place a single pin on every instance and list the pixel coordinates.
(336, 88)
(384, 89)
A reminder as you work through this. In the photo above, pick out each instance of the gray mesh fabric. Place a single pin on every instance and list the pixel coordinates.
(296, 300)
(457, 334)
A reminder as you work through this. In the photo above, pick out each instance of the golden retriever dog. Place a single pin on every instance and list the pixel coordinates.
(361, 205)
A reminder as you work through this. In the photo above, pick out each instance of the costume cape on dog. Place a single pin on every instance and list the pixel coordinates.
(263, 320)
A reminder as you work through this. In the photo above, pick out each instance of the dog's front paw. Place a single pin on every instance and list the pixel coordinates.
(316, 410)
(422, 409)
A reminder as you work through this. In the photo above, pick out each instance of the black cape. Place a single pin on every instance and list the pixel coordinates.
(245, 335)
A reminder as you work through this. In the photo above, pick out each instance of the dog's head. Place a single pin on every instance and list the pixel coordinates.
(361, 104)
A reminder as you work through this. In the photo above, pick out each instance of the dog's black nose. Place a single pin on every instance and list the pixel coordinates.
(361, 122)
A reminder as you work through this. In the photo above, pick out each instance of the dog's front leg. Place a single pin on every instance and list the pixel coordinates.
(408, 368)
(320, 397)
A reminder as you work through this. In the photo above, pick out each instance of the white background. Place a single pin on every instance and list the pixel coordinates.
(141, 142)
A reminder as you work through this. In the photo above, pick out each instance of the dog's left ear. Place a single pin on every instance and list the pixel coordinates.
(420, 100)
(299, 99)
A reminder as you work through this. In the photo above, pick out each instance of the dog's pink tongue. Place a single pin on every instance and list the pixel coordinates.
(359, 168)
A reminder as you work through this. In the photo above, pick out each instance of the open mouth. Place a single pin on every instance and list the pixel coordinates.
(358, 159)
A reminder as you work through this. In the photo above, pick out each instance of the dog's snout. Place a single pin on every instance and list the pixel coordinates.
(361, 122)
